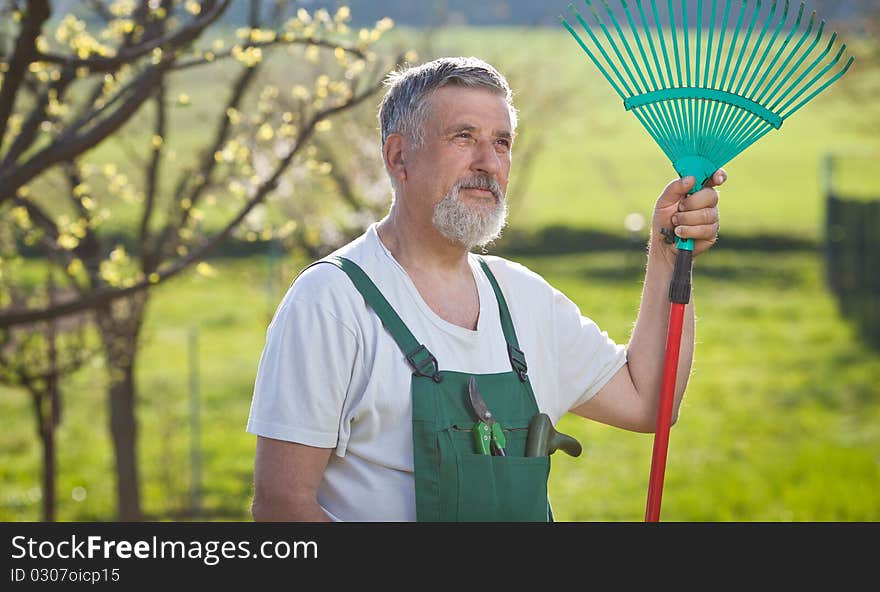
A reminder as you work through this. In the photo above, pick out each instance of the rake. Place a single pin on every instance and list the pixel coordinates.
(706, 80)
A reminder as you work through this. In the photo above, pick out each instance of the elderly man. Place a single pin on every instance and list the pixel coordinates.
(362, 403)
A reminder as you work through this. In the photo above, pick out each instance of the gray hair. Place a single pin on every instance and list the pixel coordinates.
(404, 108)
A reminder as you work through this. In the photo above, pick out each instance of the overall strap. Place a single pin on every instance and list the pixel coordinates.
(422, 361)
(517, 357)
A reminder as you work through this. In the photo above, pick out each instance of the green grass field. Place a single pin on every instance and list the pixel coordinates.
(781, 418)
(780, 422)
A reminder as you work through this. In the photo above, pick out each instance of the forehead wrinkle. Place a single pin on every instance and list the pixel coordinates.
(460, 127)
(440, 96)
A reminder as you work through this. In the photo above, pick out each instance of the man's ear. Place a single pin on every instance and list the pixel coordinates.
(392, 152)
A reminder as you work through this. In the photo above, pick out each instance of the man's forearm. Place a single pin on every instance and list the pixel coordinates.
(647, 347)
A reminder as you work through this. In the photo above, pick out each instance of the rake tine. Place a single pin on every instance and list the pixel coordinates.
(732, 48)
(687, 69)
(791, 54)
(679, 119)
(663, 117)
(791, 72)
(664, 143)
(620, 78)
(751, 91)
(717, 107)
(754, 53)
(735, 120)
(614, 46)
(820, 89)
(705, 127)
(809, 69)
(739, 123)
(726, 112)
(651, 112)
(641, 47)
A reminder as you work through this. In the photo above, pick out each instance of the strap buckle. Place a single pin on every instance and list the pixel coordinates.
(518, 361)
(426, 366)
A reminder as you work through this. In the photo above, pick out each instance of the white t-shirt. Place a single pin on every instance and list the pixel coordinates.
(331, 376)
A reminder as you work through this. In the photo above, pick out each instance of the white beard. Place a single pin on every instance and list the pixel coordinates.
(471, 226)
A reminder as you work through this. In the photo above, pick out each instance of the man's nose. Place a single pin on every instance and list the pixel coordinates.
(486, 159)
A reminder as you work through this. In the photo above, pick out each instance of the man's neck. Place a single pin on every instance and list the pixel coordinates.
(420, 248)
(437, 267)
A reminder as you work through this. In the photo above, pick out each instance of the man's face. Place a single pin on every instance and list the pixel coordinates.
(461, 170)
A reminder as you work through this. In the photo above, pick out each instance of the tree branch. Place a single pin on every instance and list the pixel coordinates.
(346, 191)
(37, 214)
(279, 40)
(149, 261)
(178, 38)
(28, 132)
(169, 240)
(70, 146)
(89, 246)
(38, 11)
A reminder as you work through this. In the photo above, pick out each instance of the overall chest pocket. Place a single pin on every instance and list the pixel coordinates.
(483, 488)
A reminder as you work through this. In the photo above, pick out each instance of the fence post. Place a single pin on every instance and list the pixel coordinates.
(832, 224)
(828, 174)
(872, 272)
(195, 425)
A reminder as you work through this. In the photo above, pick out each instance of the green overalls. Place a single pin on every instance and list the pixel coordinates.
(453, 482)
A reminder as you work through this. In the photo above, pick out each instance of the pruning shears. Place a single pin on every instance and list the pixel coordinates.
(488, 433)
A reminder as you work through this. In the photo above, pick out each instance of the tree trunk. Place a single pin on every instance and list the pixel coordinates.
(123, 428)
(47, 436)
(120, 324)
(46, 432)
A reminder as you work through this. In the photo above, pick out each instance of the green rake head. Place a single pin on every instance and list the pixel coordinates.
(707, 79)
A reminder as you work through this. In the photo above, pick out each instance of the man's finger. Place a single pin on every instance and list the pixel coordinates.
(675, 192)
(699, 217)
(702, 199)
(717, 179)
(701, 232)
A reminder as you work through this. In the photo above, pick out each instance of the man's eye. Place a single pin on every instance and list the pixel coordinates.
(503, 142)
(463, 135)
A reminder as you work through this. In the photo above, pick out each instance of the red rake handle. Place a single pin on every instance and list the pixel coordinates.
(679, 296)
(664, 412)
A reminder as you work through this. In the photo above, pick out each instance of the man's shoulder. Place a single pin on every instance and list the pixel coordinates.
(521, 286)
(514, 274)
(322, 282)
(318, 281)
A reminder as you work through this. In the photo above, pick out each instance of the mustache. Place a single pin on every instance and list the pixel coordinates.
(485, 182)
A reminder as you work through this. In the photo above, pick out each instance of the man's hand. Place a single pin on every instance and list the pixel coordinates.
(688, 216)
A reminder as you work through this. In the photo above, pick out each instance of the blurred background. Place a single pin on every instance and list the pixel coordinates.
(168, 166)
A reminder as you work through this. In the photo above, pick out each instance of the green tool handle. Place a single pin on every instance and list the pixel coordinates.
(544, 440)
(488, 439)
(482, 438)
